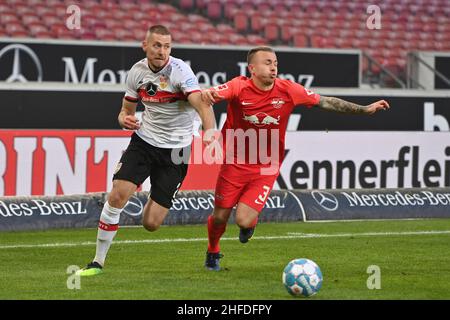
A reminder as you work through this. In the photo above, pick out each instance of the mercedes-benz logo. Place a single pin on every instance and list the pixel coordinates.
(151, 89)
(326, 200)
(134, 207)
(16, 72)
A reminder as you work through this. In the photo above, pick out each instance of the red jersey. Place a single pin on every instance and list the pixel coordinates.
(266, 112)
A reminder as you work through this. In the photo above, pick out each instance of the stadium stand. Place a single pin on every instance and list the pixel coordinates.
(406, 25)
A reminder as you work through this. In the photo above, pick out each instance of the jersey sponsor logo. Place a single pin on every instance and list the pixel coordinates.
(261, 119)
(221, 87)
(151, 89)
(161, 96)
(277, 103)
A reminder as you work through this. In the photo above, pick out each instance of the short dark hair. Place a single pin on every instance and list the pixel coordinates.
(159, 29)
(252, 52)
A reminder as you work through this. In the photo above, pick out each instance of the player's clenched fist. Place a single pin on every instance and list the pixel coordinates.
(376, 106)
(211, 96)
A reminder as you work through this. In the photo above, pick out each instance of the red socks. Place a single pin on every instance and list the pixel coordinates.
(215, 232)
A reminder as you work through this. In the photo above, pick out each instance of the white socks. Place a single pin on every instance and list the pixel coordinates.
(107, 229)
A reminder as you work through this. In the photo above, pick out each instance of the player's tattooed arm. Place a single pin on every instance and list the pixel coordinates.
(340, 105)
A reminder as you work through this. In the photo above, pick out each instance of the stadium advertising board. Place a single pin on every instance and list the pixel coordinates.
(97, 108)
(375, 204)
(77, 162)
(442, 64)
(97, 63)
(83, 211)
(366, 160)
(55, 162)
(194, 207)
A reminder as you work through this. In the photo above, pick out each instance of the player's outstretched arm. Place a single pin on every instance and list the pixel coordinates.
(206, 113)
(127, 118)
(211, 96)
(339, 105)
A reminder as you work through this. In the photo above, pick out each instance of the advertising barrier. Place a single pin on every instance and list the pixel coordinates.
(83, 211)
(193, 207)
(65, 162)
(375, 204)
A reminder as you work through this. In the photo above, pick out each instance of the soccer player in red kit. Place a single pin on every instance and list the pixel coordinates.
(257, 115)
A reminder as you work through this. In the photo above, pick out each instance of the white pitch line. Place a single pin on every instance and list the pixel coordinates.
(290, 235)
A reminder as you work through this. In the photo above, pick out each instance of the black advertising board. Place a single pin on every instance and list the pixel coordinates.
(442, 64)
(108, 62)
(99, 109)
(100, 63)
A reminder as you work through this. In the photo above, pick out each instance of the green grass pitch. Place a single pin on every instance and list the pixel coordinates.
(413, 257)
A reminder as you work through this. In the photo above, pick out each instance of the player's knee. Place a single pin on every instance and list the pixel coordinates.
(244, 222)
(117, 199)
(151, 226)
(219, 219)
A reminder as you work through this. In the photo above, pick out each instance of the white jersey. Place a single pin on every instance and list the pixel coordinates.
(168, 119)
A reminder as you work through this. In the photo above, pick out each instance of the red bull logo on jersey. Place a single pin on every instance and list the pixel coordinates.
(262, 119)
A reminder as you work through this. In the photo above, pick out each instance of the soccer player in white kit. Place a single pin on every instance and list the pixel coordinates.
(164, 85)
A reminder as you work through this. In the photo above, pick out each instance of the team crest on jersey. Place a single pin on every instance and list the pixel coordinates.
(261, 119)
(277, 103)
(163, 82)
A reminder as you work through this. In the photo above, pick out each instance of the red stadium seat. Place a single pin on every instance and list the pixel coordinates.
(196, 19)
(64, 33)
(201, 4)
(7, 18)
(37, 28)
(287, 32)
(187, 4)
(16, 30)
(256, 40)
(300, 40)
(241, 22)
(230, 9)
(4, 8)
(44, 35)
(257, 22)
(224, 28)
(271, 32)
(214, 10)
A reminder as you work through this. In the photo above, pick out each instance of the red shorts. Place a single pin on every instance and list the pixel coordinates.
(239, 183)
